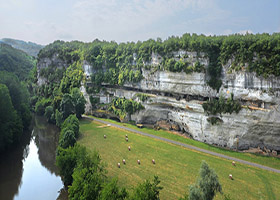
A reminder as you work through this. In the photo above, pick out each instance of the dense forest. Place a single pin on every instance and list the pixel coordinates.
(15, 115)
(118, 63)
(15, 61)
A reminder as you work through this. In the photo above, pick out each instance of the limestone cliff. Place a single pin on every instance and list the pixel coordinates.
(177, 98)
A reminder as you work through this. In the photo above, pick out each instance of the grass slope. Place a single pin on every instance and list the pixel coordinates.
(176, 166)
(263, 160)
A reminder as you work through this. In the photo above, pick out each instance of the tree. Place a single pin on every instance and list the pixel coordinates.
(58, 118)
(67, 138)
(112, 191)
(78, 102)
(147, 190)
(206, 186)
(10, 123)
(72, 123)
(66, 106)
(88, 178)
(48, 113)
(67, 160)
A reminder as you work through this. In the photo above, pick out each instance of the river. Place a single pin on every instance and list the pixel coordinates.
(28, 171)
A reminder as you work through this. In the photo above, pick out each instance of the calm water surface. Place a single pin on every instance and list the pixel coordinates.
(28, 172)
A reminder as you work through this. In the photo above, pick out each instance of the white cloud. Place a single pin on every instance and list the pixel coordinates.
(113, 19)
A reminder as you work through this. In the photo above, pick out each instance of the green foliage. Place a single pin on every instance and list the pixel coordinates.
(181, 65)
(66, 51)
(143, 97)
(73, 103)
(10, 123)
(206, 186)
(147, 190)
(116, 64)
(41, 106)
(214, 106)
(121, 107)
(48, 113)
(66, 106)
(58, 118)
(67, 138)
(15, 61)
(67, 160)
(78, 102)
(88, 178)
(214, 120)
(72, 123)
(72, 78)
(94, 100)
(112, 191)
(261, 53)
(19, 96)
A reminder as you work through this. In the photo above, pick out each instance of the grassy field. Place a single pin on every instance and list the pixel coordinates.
(260, 159)
(177, 167)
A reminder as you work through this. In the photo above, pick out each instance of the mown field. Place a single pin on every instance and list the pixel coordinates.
(177, 167)
(259, 159)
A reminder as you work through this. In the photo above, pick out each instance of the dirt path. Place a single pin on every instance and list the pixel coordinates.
(186, 145)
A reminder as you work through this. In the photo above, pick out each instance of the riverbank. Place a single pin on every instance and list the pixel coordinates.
(28, 171)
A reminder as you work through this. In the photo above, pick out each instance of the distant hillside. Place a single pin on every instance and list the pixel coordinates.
(30, 48)
(16, 61)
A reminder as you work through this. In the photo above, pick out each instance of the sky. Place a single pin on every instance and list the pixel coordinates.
(44, 21)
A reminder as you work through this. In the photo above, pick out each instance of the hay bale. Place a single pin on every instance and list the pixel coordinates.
(230, 176)
(119, 165)
(105, 136)
(233, 163)
(123, 161)
(126, 139)
(129, 148)
(153, 161)
(138, 161)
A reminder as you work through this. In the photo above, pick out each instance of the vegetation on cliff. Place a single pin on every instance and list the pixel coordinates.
(122, 106)
(120, 63)
(221, 105)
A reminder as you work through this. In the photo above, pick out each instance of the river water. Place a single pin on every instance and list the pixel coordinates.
(28, 171)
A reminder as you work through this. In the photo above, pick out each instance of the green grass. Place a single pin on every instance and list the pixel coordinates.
(259, 159)
(177, 167)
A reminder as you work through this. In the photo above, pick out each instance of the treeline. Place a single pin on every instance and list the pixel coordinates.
(116, 61)
(15, 115)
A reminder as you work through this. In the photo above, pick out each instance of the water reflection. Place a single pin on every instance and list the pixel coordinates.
(29, 171)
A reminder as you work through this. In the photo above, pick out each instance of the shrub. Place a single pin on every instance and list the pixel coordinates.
(41, 106)
(67, 138)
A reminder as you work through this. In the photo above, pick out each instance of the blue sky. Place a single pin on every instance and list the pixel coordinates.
(43, 21)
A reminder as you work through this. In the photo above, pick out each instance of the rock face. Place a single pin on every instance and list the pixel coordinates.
(177, 98)
(47, 62)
